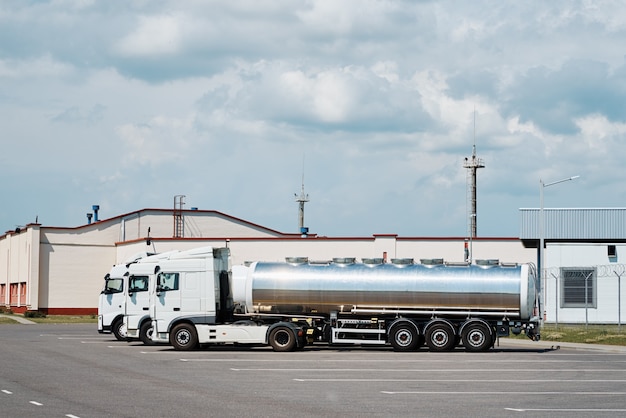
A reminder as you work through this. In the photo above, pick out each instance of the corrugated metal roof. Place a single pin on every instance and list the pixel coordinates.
(575, 223)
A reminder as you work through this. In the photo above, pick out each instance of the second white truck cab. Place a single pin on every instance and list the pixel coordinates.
(137, 320)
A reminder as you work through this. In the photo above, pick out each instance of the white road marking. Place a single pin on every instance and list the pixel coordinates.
(467, 380)
(8, 392)
(501, 393)
(401, 361)
(71, 416)
(82, 338)
(562, 410)
(36, 403)
(489, 371)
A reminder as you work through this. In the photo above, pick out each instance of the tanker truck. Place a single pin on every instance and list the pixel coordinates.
(199, 300)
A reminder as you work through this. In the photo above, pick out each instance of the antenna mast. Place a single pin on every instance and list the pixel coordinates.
(302, 199)
(472, 165)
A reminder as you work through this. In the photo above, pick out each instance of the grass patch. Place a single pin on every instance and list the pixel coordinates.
(66, 319)
(52, 319)
(579, 333)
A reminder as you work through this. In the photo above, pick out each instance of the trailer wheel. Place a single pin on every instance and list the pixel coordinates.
(440, 337)
(476, 337)
(184, 337)
(404, 337)
(119, 330)
(282, 339)
(145, 332)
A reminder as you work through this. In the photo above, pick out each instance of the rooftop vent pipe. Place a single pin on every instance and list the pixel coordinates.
(89, 215)
(95, 208)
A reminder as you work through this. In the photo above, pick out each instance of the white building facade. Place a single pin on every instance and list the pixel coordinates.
(584, 263)
(60, 270)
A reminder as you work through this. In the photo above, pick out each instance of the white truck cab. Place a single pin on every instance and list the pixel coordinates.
(112, 302)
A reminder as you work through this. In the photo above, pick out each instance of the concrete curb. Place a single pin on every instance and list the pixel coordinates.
(19, 319)
(557, 345)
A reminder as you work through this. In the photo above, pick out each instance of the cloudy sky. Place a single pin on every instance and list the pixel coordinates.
(376, 104)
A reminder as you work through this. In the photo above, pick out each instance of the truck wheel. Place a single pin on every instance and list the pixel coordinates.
(404, 337)
(440, 337)
(476, 337)
(119, 330)
(184, 337)
(282, 339)
(145, 332)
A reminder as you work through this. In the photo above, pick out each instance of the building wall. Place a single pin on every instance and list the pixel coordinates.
(19, 265)
(276, 249)
(73, 277)
(610, 297)
(63, 268)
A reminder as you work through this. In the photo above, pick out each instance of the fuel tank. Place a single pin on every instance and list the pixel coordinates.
(300, 287)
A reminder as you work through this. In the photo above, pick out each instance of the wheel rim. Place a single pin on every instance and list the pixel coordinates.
(476, 338)
(403, 338)
(282, 338)
(121, 329)
(183, 337)
(440, 338)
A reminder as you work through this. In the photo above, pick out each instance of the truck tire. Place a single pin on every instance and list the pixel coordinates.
(183, 337)
(282, 339)
(145, 332)
(440, 337)
(476, 337)
(119, 330)
(404, 336)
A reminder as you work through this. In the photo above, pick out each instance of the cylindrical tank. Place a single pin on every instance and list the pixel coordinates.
(300, 287)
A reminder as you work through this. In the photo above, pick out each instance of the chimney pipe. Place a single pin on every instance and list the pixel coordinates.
(89, 215)
(95, 208)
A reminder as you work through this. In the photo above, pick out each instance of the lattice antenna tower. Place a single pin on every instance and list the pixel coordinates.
(472, 164)
(302, 199)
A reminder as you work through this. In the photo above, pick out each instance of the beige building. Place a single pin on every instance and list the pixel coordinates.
(60, 270)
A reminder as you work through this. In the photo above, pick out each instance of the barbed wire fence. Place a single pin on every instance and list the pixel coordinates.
(603, 272)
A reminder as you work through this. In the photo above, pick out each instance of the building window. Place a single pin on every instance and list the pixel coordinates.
(576, 283)
(14, 292)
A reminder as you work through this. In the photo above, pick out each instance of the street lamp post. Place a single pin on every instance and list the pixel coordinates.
(542, 278)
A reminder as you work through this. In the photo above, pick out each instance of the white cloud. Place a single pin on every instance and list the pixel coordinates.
(600, 134)
(42, 66)
(154, 36)
(156, 142)
(379, 95)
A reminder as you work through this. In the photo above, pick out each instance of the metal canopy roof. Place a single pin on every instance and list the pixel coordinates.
(576, 224)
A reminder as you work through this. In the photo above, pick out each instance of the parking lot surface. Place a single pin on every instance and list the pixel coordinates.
(70, 370)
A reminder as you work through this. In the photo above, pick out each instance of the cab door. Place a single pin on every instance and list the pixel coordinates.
(167, 299)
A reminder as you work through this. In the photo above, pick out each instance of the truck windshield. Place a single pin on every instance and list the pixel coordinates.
(113, 286)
